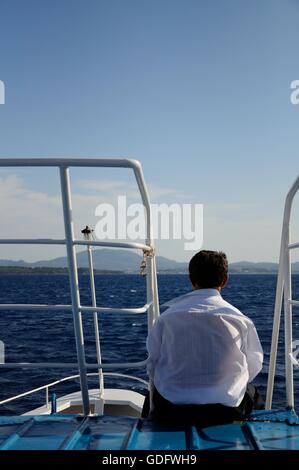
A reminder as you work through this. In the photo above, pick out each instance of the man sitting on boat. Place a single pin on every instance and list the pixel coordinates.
(203, 352)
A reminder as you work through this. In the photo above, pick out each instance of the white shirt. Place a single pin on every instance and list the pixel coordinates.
(203, 350)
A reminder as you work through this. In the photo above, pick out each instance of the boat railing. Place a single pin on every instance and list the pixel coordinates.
(48, 386)
(70, 242)
(284, 294)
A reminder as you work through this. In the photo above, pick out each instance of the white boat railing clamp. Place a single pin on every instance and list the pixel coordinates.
(284, 292)
(152, 302)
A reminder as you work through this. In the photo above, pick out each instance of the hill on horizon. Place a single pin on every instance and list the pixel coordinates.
(129, 261)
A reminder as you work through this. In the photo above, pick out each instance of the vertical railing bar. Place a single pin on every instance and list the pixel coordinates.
(276, 327)
(151, 273)
(283, 288)
(156, 294)
(150, 314)
(95, 320)
(152, 291)
(74, 284)
(146, 202)
(288, 323)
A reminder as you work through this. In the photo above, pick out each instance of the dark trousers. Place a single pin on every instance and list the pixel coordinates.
(201, 415)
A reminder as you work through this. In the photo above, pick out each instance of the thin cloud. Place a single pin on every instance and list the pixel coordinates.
(114, 188)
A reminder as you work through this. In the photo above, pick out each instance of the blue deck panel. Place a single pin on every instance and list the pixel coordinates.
(264, 430)
(274, 436)
(39, 432)
(150, 435)
(104, 433)
(225, 437)
(288, 416)
(9, 428)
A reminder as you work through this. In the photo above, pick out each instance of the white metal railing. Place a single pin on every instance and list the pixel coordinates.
(69, 307)
(68, 365)
(49, 241)
(67, 379)
(284, 292)
(152, 302)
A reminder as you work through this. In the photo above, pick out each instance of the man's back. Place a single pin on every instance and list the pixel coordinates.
(203, 350)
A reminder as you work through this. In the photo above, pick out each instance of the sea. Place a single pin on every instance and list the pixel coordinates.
(48, 336)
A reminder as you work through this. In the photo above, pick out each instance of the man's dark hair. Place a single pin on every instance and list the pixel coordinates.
(208, 269)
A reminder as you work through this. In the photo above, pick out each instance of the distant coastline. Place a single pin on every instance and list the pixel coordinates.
(119, 261)
(15, 270)
(48, 271)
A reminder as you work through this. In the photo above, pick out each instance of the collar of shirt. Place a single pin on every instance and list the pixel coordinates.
(202, 293)
(205, 292)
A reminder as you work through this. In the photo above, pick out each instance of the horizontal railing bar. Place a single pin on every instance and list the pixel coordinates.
(294, 302)
(34, 307)
(291, 246)
(38, 365)
(70, 162)
(130, 245)
(116, 310)
(65, 379)
(53, 241)
(67, 365)
(31, 241)
(30, 392)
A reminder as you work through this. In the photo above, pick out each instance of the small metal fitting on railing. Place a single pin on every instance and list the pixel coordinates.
(87, 233)
(146, 254)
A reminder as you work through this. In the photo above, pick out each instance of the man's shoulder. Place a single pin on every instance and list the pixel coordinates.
(218, 307)
(230, 308)
(214, 305)
(233, 312)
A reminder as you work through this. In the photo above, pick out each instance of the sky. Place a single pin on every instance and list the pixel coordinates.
(197, 90)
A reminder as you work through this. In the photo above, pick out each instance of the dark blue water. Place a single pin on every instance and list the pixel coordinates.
(48, 336)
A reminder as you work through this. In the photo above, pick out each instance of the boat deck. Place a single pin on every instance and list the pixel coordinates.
(266, 430)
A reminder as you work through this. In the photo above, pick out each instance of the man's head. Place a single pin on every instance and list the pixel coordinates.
(208, 269)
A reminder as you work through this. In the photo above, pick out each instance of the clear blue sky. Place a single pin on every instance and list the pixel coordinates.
(197, 90)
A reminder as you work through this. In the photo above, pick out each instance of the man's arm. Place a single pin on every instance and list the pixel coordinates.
(153, 344)
(254, 352)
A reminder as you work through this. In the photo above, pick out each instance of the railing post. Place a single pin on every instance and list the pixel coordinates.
(151, 273)
(283, 288)
(74, 285)
(288, 323)
(87, 232)
(276, 327)
(95, 317)
(156, 294)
